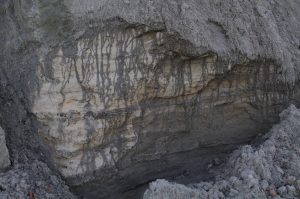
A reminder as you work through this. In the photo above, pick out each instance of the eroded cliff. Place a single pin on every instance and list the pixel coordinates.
(114, 94)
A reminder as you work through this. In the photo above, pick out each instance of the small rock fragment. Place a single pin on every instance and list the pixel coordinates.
(278, 169)
(4, 155)
(291, 180)
(282, 190)
(273, 193)
(217, 161)
(233, 192)
(234, 181)
(206, 186)
(291, 190)
(264, 184)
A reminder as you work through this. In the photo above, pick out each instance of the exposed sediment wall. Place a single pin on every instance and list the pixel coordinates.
(115, 94)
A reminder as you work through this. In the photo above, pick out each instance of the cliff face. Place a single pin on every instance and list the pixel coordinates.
(118, 93)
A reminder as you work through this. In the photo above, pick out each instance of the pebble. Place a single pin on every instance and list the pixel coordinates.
(279, 170)
(264, 184)
(273, 193)
(282, 190)
(217, 161)
(291, 190)
(291, 180)
(233, 192)
(234, 181)
(206, 186)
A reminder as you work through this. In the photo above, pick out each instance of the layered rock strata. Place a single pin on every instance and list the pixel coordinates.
(135, 101)
(114, 94)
